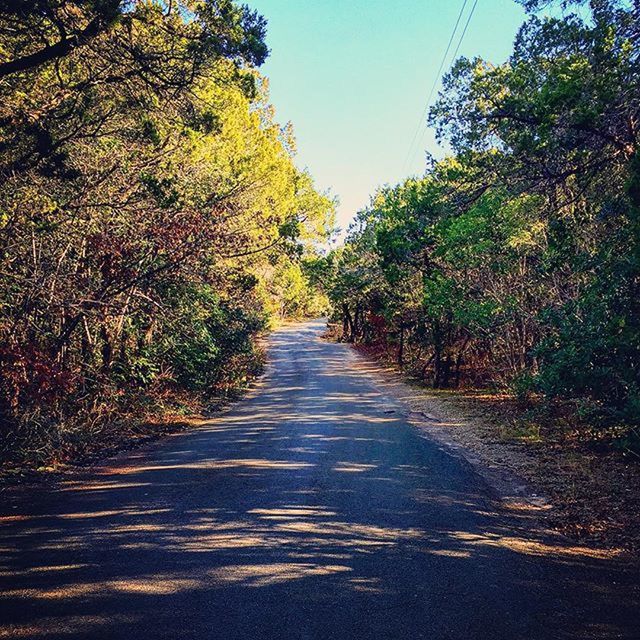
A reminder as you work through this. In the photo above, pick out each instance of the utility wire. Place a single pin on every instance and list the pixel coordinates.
(422, 125)
(433, 88)
(464, 32)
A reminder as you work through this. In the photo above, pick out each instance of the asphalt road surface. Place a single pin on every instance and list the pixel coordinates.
(311, 510)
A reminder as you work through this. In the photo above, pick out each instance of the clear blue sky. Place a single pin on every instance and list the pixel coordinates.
(353, 77)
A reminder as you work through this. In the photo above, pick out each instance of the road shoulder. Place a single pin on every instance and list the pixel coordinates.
(565, 491)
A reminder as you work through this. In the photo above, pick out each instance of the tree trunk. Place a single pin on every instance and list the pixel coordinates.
(401, 346)
(107, 347)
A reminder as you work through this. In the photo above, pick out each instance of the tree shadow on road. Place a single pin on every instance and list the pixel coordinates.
(309, 511)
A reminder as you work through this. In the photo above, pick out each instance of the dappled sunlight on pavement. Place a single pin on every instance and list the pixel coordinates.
(310, 510)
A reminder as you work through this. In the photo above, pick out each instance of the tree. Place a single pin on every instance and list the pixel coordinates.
(517, 260)
(144, 181)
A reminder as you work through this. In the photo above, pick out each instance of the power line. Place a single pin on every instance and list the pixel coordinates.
(464, 31)
(433, 88)
(423, 125)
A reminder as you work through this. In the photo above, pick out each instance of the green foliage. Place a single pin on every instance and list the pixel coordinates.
(517, 260)
(152, 218)
(202, 337)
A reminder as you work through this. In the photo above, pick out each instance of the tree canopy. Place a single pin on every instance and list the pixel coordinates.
(516, 260)
(151, 215)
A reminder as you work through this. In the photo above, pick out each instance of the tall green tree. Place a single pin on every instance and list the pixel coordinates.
(144, 184)
(520, 254)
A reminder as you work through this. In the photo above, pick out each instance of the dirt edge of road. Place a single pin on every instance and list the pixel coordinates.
(567, 494)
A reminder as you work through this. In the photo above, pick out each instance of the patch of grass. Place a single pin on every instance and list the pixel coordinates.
(522, 430)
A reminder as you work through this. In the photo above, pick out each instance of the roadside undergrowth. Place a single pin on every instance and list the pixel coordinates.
(120, 420)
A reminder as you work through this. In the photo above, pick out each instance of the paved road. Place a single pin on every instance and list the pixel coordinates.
(312, 510)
